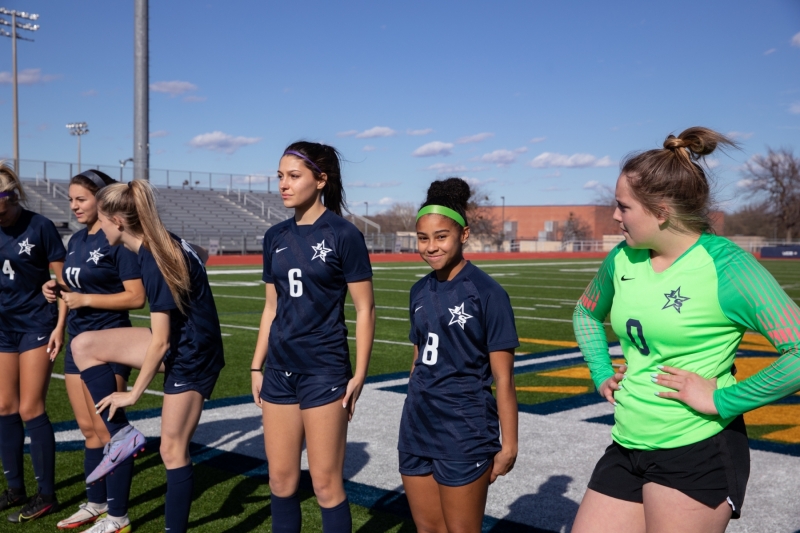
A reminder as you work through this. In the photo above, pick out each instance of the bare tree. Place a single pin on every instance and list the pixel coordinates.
(481, 221)
(776, 177)
(574, 229)
(400, 217)
(752, 219)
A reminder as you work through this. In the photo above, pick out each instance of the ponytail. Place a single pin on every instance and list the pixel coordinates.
(11, 189)
(136, 204)
(322, 159)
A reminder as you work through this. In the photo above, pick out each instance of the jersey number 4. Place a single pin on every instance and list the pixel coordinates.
(431, 352)
(634, 325)
(7, 270)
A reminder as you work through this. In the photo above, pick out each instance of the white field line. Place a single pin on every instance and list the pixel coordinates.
(535, 298)
(146, 391)
(227, 271)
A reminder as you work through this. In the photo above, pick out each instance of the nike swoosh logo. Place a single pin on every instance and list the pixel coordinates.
(418, 308)
(334, 389)
(481, 464)
(71, 253)
(111, 499)
(279, 250)
(176, 384)
(623, 278)
(23, 518)
(40, 338)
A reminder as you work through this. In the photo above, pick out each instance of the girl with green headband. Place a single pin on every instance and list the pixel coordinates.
(462, 328)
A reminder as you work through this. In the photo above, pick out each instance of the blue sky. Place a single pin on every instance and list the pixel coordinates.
(535, 101)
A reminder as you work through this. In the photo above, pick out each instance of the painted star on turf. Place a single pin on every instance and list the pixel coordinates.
(674, 299)
(458, 316)
(25, 247)
(320, 251)
(95, 256)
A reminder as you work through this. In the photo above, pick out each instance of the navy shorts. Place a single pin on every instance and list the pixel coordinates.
(711, 471)
(445, 472)
(205, 386)
(71, 368)
(17, 342)
(306, 389)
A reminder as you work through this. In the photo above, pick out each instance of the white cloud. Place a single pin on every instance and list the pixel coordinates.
(348, 133)
(173, 88)
(770, 51)
(252, 178)
(419, 132)
(221, 142)
(444, 168)
(475, 138)
(433, 148)
(536, 140)
(744, 183)
(368, 148)
(551, 160)
(377, 131)
(795, 108)
(28, 76)
(158, 133)
(385, 201)
(592, 184)
(740, 135)
(194, 98)
(711, 162)
(373, 184)
(503, 157)
(796, 40)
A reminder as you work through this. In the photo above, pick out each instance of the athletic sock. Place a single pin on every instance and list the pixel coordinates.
(101, 382)
(180, 482)
(118, 485)
(43, 452)
(12, 443)
(96, 492)
(337, 519)
(286, 515)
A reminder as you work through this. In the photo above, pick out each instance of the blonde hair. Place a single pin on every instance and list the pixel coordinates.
(135, 203)
(673, 177)
(9, 183)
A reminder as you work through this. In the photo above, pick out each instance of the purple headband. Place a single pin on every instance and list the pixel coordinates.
(7, 194)
(301, 156)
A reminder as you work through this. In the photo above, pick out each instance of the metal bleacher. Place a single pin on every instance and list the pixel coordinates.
(237, 220)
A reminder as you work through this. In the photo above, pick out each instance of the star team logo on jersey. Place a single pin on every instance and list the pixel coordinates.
(458, 316)
(675, 300)
(95, 256)
(25, 247)
(320, 251)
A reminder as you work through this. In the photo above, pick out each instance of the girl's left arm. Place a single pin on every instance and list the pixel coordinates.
(502, 363)
(56, 341)
(132, 297)
(364, 301)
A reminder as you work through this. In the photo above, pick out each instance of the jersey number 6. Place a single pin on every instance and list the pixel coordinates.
(634, 324)
(295, 285)
(431, 352)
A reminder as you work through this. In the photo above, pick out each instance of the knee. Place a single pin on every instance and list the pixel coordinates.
(9, 406)
(30, 411)
(329, 489)
(81, 346)
(283, 483)
(174, 454)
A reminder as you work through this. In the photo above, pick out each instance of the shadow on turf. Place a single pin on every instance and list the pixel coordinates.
(547, 510)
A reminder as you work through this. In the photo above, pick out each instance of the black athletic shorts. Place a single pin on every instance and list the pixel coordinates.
(710, 471)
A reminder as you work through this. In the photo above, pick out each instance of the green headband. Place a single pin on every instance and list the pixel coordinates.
(444, 211)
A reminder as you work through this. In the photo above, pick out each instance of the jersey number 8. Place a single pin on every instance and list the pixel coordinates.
(431, 352)
(295, 285)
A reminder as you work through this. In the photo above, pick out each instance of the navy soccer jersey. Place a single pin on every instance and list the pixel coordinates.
(450, 412)
(26, 250)
(310, 266)
(195, 350)
(95, 267)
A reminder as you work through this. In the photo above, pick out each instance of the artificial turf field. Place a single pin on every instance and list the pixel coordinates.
(564, 427)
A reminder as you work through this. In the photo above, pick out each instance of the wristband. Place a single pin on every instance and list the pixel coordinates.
(255, 370)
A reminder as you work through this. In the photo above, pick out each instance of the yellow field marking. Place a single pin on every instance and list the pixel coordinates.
(546, 342)
(756, 342)
(560, 390)
(578, 372)
(747, 366)
(791, 434)
(774, 415)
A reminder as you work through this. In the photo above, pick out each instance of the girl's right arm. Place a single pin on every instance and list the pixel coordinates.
(260, 355)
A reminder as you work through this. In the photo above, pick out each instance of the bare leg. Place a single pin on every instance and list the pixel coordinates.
(464, 506)
(179, 418)
(9, 383)
(599, 513)
(126, 346)
(426, 507)
(84, 415)
(668, 510)
(34, 378)
(326, 441)
(283, 443)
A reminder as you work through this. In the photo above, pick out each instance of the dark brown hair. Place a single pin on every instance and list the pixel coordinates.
(451, 192)
(324, 159)
(669, 181)
(84, 179)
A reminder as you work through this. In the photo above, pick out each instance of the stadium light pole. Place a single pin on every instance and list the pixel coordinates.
(141, 92)
(503, 226)
(366, 209)
(122, 163)
(78, 129)
(14, 25)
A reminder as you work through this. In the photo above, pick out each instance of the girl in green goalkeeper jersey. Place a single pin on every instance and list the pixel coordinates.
(679, 297)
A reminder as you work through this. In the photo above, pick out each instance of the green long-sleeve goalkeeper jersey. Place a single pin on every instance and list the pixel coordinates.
(691, 316)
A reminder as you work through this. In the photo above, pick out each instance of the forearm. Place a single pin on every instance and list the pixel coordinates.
(150, 366)
(121, 301)
(365, 335)
(262, 343)
(62, 315)
(507, 412)
(591, 336)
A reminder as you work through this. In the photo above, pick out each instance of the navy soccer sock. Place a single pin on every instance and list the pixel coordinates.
(337, 519)
(179, 498)
(118, 484)
(286, 515)
(43, 452)
(96, 492)
(12, 442)
(101, 382)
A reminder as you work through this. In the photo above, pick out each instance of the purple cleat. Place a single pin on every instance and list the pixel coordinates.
(127, 442)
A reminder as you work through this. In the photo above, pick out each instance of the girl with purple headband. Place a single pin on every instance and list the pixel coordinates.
(301, 374)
